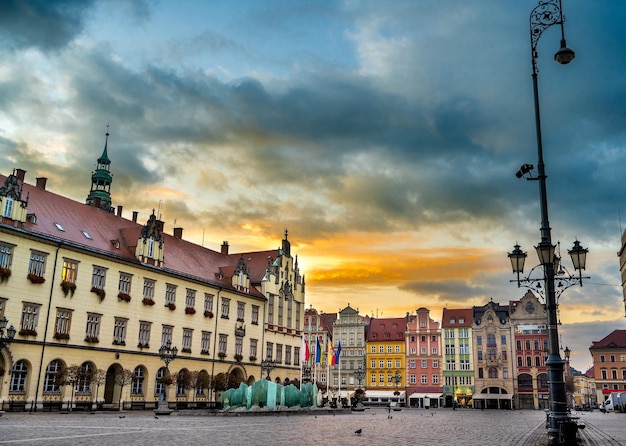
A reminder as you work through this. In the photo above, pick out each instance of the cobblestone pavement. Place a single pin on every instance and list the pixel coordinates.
(407, 427)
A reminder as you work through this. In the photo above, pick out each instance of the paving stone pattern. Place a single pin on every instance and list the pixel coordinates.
(441, 427)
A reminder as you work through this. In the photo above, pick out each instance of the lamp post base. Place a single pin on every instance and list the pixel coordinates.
(163, 409)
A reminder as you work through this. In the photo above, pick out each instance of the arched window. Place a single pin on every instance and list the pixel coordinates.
(542, 381)
(19, 373)
(136, 386)
(183, 381)
(83, 384)
(493, 373)
(525, 381)
(52, 371)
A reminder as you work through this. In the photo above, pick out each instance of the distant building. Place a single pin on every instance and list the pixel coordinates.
(319, 332)
(349, 332)
(423, 359)
(530, 337)
(491, 332)
(458, 359)
(609, 364)
(386, 368)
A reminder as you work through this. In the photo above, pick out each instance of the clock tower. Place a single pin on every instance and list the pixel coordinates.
(101, 179)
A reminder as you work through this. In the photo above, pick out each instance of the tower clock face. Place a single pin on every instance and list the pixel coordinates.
(530, 308)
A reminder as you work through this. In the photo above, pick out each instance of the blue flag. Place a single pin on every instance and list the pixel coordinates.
(337, 353)
(318, 350)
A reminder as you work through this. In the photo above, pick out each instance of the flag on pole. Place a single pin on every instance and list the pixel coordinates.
(306, 354)
(337, 353)
(331, 353)
(318, 350)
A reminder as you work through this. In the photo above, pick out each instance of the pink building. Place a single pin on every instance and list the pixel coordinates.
(423, 359)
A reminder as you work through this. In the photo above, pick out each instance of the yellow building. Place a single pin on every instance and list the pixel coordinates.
(88, 288)
(385, 361)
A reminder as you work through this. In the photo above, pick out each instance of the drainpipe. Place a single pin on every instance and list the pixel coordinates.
(33, 407)
(217, 307)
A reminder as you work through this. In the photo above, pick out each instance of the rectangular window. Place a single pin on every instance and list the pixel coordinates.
(412, 363)
(255, 314)
(412, 379)
(187, 336)
(62, 323)
(435, 363)
(279, 353)
(98, 277)
(381, 378)
(479, 340)
(289, 312)
(424, 379)
(92, 330)
(389, 350)
(424, 363)
(69, 271)
(30, 317)
(239, 346)
(241, 311)
(190, 298)
(389, 364)
(397, 363)
(6, 255)
(166, 334)
(208, 302)
(8, 207)
(269, 350)
(503, 339)
(223, 344)
(37, 264)
(205, 342)
(287, 354)
(253, 348)
(270, 309)
(123, 286)
(119, 331)
(170, 294)
(225, 307)
(148, 290)
(434, 351)
(280, 311)
(144, 334)
(435, 379)
(297, 327)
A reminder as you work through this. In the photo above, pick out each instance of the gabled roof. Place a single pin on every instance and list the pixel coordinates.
(616, 339)
(63, 220)
(464, 314)
(386, 329)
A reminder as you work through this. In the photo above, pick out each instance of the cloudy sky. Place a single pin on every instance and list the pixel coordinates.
(384, 135)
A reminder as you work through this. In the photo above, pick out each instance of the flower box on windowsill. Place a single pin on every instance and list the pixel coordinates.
(92, 339)
(221, 355)
(28, 332)
(99, 291)
(5, 273)
(208, 314)
(62, 336)
(190, 310)
(34, 278)
(238, 358)
(252, 358)
(171, 306)
(68, 287)
(204, 352)
(240, 319)
(147, 301)
(186, 350)
(144, 345)
(122, 343)
(123, 297)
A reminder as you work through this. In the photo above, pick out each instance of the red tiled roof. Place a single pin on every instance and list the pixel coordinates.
(103, 228)
(616, 339)
(458, 313)
(386, 329)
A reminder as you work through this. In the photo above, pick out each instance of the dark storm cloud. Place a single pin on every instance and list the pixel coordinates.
(46, 24)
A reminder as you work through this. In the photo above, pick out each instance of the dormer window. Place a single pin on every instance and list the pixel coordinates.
(59, 227)
(151, 247)
(8, 207)
(87, 235)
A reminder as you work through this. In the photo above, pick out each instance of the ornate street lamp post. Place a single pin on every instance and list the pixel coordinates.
(167, 353)
(359, 374)
(268, 364)
(560, 427)
(6, 339)
(397, 378)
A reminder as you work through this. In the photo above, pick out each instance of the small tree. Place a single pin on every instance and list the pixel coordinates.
(98, 378)
(123, 378)
(70, 376)
(184, 379)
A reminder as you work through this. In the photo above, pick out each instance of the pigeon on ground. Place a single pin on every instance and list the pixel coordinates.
(122, 416)
(358, 431)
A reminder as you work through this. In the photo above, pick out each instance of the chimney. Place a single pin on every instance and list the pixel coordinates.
(225, 247)
(20, 174)
(135, 213)
(96, 202)
(41, 183)
(178, 233)
(119, 211)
